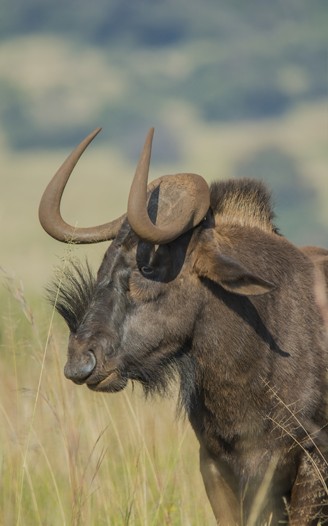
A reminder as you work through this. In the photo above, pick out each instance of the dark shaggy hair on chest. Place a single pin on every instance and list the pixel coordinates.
(244, 202)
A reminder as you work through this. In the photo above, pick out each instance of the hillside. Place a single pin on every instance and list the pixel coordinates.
(233, 89)
(125, 64)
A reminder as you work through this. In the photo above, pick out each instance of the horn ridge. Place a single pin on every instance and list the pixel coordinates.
(196, 192)
(189, 201)
(49, 209)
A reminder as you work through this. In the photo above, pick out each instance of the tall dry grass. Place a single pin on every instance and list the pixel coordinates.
(69, 456)
(72, 457)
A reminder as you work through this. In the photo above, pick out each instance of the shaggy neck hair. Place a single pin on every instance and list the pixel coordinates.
(244, 202)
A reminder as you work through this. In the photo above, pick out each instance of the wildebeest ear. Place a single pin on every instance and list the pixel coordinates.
(230, 274)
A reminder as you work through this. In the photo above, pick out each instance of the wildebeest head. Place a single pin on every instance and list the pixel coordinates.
(136, 320)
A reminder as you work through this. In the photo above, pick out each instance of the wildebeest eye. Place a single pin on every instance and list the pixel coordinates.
(147, 270)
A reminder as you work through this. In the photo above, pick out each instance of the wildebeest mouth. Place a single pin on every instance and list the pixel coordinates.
(113, 382)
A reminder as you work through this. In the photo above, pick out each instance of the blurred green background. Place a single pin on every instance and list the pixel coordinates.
(233, 88)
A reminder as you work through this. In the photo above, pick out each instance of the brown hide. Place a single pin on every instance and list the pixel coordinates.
(231, 308)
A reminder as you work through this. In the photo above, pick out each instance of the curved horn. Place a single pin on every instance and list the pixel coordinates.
(49, 209)
(195, 201)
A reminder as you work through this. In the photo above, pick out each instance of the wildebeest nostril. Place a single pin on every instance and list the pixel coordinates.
(79, 367)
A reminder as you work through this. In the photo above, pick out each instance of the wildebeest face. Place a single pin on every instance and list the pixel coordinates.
(137, 319)
(132, 324)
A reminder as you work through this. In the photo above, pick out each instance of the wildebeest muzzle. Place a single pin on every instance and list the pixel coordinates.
(86, 364)
(81, 362)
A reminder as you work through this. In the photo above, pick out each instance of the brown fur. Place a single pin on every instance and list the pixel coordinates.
(243, 202)
(229, 307)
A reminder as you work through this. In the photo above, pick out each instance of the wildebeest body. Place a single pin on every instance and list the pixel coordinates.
(229, 307)
(260, 368)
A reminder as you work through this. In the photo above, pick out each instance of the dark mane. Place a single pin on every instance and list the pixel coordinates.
(246, 202)
(71, 293)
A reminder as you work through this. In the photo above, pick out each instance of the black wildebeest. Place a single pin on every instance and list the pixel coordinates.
(198, 283)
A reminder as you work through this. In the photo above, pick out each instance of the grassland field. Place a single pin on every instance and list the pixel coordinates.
(69, 456)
